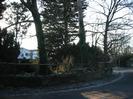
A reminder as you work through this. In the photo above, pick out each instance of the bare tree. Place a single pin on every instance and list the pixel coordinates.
(94, 32)
(18, 20)
(115, 18)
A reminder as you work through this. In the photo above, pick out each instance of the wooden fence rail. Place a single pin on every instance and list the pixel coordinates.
(19, 68)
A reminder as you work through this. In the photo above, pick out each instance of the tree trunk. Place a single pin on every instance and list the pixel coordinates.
(82, 38)
(65, 23)
(43, 69)
(81, 24)
(32, 6)
(40, 38)
(105, 42)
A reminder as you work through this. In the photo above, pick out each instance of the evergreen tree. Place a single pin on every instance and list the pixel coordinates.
(60, 23)
(2, 8)
(9, 48)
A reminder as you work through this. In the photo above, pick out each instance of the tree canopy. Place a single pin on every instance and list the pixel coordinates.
(2, 8)
(9, 47)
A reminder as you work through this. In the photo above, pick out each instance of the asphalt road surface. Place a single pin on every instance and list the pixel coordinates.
(121, 89)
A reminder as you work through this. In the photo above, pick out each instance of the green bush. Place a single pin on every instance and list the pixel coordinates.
(91, 54)
(9, 47)
(124, 59)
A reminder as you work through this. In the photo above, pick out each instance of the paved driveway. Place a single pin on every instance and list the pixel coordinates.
(121, 89)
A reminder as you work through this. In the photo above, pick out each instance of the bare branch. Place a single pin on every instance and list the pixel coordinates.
(18, 23)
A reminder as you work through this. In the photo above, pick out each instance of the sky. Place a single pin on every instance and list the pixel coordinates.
(31, 43)
(91, 17)
(28, 42)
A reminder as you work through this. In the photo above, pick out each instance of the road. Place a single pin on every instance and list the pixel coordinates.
(121, 89)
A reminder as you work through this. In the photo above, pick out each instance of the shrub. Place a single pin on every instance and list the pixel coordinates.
(9, 47)
(124, 59)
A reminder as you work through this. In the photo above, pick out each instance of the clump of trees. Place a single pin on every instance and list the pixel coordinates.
(58, 23)
(125, 60)
(9, 48)
(113, 24)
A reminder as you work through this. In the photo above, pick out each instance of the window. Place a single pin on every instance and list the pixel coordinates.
(26, 54)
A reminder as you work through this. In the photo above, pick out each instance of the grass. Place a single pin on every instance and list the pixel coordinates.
(43, 81)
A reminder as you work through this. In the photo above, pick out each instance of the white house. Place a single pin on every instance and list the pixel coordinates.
(34, 54)
(28, 54)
